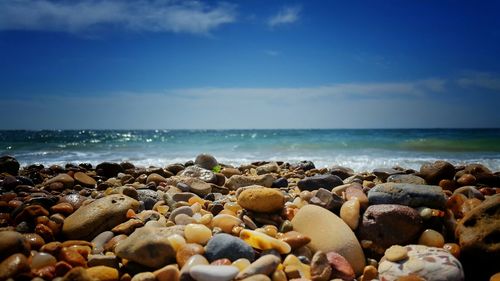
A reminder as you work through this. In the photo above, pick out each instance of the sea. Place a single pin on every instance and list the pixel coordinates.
(359, 149)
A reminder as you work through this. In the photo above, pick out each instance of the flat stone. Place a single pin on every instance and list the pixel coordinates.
(324, 198)
(213, 272)
(101, 215)
(263, 241)
(196, 186)
(156, 178)
(388, 224)
(295, 239)
(149, 246)
(267, 168)
(403, 178)
(341, 268)
(238, 181)
(103, 273)
(84, 179)
(65, 179)
(431, 264)
(412, 195)
(227, 246)
(262, 199)
(319, 181)
(328, 233)
(396, 253)
(384, 173)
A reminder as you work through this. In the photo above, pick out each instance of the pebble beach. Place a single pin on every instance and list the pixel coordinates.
(207, 220)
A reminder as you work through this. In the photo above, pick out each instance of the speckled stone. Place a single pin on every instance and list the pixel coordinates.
(432, 264)
(411, 195)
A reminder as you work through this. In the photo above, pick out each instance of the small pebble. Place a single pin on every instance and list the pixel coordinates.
(431, 238)
(396, 253)
(197, 233)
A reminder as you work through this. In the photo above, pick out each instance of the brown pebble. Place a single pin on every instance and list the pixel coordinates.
(13, 265)
(62, 268)
(295, 239)
(453, 248)
(221, 262)
(320, 267)
(495, 277)
(127, 227)
(44, 231)
(72, 257)
(370, 272)
(63, 208)
(447, 184)
(466, 179)
(52, 248)
(103, 273)
(144, 276)
(257, 277)
(186, 251)
(30, 213)
(36, 241)
(12, 242)
(167, 273)
(84, 179)
(111, 244)
(341, 268)
(47, 272)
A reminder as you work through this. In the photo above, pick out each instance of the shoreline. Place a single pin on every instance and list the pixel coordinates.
(292, 219)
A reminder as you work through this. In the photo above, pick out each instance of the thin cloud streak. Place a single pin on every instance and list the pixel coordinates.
(484, 80)
(286, 15)
(137, 15)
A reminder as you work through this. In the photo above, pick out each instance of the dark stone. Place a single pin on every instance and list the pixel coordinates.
(388, 224)
(149, 197)
(206, 161)
(384, 173)
(434, 172)
(281, 182)
(175, 168)
(406, 179)
(109, 170)
(412, 195)
(227, 246)
(319, 181)
(327, 200)
(341, 172)
(9, 164)
(304, 165)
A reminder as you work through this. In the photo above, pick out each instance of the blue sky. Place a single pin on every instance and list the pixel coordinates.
(103, 64)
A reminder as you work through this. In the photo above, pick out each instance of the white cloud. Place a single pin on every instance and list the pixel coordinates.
(286, 15)
(138, 15)
(483, 80)
(346, 105)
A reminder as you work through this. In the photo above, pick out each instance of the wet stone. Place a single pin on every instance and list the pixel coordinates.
(227, 246)
(407, 194)
(319, 181)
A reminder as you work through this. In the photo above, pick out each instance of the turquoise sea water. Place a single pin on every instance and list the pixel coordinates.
(359, 149)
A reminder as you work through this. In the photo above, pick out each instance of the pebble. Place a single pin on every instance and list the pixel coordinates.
(412, 195)
(349, 212)
(144, 276)
(388, 224)
(12, 242)
(328, 233)
(100, 240)
(257, 277)
(431, 238)
(267, 168)
(384, 173)
(65, 179)
(101, 215)
(295, 239)
(404, 178)
(148, 246)
(263, 265)
(356, 191)
(41, 259)
(341, 268)
(197, 233)
(213, 272)
(262, 241)
(396, 253)
(167, 273)
(429, 263)
(206, 161)
(13, 265)
(181, 210)
(199, 173)
(294, 268)
(84, 179)
(186, 251)
(192, 261)
(319, 181)
(156, 178)
(320, 267)
(238, 181)
(261, 199)
(227, 246)
(434, 172)
(103, 273)
(225, 222)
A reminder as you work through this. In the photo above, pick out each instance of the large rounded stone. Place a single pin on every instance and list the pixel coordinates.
(84, 179)
(319, 181)
(13, 265)
(429, 263)
(149, 246)
(406, 179)
(101, 215)
(107, 169)
(434, 172)
(65, 179)
(479, 235)
(195, 185)
(412, 195)
(206, 161)
(261, 199)
(387, 225)
(328, 233)
(227, 246)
